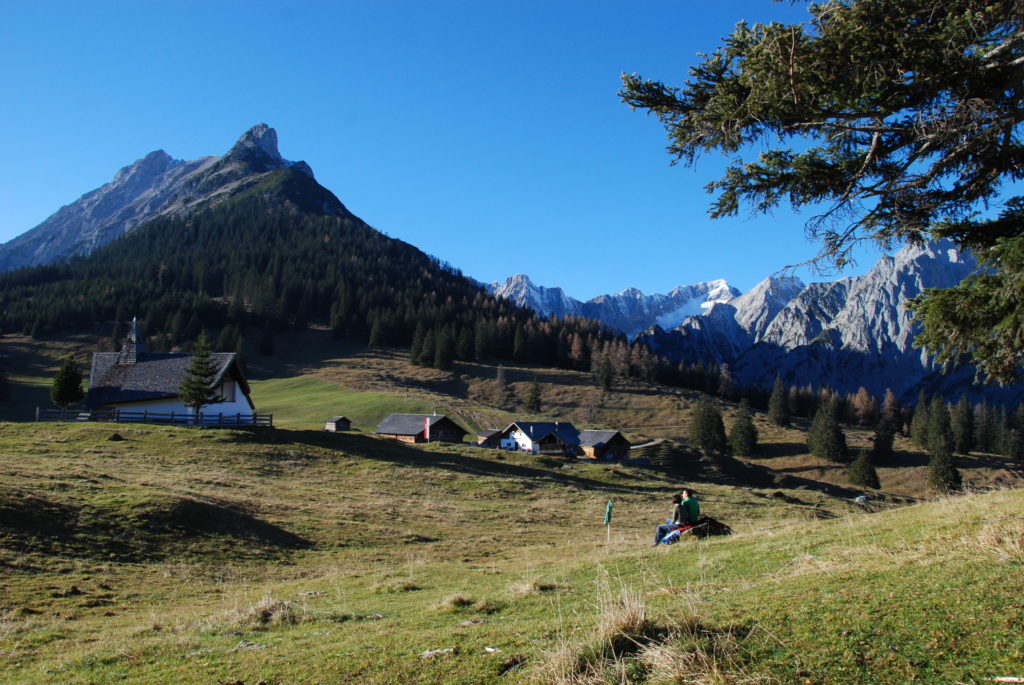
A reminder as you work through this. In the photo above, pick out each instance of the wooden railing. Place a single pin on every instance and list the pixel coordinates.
(172, 418)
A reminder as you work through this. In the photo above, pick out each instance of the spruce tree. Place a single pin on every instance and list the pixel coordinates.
(882, 442)
(533, 398)
(196, 389)
(743, 433)
(963, 426)
(940, 432)
(919, 424)
(943, 475)
(984, 428)
(707, 431)
(444, 351)
(826, 439)
(778, 412)
(66, 388)
(862, 472)
(500, 386)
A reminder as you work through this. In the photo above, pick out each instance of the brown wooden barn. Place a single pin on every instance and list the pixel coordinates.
(597, 444)
(488, 438)
(413, 428)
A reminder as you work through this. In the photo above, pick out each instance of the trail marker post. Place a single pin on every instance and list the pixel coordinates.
(608, 521)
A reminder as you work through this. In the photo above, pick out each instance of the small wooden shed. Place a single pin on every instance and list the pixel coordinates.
(488, 438)
(338, 423)
(597, 444)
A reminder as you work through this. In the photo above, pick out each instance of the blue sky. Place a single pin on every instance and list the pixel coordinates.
(487, 133)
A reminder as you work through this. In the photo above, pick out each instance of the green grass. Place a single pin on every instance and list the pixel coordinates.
(307, 401)
(295, 556)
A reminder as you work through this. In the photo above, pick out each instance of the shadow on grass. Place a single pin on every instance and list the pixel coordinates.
(456, 460)
(775, 450)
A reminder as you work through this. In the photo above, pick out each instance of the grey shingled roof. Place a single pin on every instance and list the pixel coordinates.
(489, 433)
(538, 430)
(152, 376)
(335, 419)
(596, 438)
(411, 424)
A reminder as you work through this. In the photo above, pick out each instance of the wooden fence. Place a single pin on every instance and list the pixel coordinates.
(165, 418)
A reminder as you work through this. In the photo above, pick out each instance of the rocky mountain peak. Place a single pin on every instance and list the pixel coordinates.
(260, 139)
(151, 165)
(158, 185)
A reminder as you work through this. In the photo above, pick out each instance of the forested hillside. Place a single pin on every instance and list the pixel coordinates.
(259, 263)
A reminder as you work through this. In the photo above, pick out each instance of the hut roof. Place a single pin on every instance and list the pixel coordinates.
(597, 438)
(411, 424)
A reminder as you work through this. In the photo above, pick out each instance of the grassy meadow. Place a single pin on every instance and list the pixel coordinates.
(149, 554)
(288, 556)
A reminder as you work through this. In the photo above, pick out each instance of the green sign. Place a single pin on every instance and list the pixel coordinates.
(608, 513)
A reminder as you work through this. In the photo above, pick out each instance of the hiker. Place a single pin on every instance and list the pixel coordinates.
(672, 523)
(685, 512)
(691, 507)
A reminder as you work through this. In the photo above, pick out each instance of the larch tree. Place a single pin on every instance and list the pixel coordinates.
(901, 118)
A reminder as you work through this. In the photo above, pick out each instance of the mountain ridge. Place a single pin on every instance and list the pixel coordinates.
(153, 186)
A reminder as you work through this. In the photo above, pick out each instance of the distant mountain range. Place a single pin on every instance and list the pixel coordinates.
(157, 186)
(629, 311)
(849, 333)
(845, 334)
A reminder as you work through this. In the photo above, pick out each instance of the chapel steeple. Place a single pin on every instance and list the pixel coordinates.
(132, 348)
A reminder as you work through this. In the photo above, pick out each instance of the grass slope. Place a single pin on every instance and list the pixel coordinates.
(294, 556)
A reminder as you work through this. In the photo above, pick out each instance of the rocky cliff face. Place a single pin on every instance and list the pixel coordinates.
(850, 333)
(155, 185)
(629, 311)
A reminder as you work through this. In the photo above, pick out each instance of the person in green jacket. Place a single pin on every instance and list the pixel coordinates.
(690, 506)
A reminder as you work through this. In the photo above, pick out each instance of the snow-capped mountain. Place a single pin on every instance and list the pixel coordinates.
(153, 186)
(853, 332)
(629, 311)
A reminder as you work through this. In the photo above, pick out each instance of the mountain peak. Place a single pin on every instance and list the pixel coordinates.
(259, 141)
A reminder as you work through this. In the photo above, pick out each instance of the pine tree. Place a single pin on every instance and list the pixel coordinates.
(919, 424)
(743, 433)
(500, 386)
(66, 388)
(533, 398)
(826, 439)
(862, 472)
(197, 387)
(604, 374)
(416, 348)
(778, 412)
(963, 426)
(882, 442)
(1013, 440)
(943, 475)
(707, 431)
(984, 428)
(444, 351)
(940, 432)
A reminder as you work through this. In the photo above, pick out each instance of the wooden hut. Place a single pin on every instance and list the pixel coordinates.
(413, 428)
(338, 423)
(609, 444)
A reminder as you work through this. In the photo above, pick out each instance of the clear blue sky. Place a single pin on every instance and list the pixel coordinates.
(487, 133)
